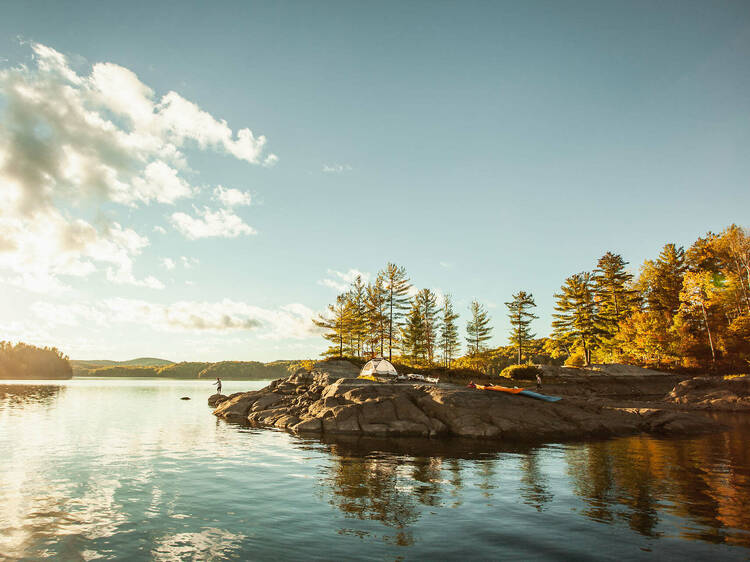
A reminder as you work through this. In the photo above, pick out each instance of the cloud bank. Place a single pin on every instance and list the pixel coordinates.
(70, 139)
(288, 321)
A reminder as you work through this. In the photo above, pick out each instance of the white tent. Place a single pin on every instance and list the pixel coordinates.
(378, 367)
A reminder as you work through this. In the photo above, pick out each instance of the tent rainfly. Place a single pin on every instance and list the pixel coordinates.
(378, 367)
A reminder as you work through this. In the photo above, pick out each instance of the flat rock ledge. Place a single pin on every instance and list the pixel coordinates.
(325, 402)
(713, 393)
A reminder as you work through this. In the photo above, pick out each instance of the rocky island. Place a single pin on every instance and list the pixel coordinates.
(330, 400)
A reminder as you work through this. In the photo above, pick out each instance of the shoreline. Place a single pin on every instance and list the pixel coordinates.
(330, 401)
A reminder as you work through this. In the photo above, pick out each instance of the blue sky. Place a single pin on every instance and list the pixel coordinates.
(487, 146)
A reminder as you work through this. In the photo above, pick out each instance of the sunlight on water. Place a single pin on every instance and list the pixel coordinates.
(96, 469)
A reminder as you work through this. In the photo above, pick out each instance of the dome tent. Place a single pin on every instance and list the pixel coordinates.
(378, 367)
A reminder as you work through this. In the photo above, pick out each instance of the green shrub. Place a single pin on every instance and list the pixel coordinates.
(576, 359)
(523, 372)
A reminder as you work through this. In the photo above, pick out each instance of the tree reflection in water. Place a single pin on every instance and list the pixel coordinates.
(703, 480)
(18, 394)
(370, 489)
(642, 481)
(535, 489)
(392, 480)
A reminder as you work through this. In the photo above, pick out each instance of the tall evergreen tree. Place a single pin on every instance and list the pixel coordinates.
(520, 319)
(412, 333)
(359, 327)
(575, 320)
(428, 310)
(614, 296)
(396, 287)
(335, 326)
(478, 328)
(376, 316)
(661, 280)
(449, 345)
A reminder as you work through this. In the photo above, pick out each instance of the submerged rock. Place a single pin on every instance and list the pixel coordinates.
(713, 393)
(323, 402)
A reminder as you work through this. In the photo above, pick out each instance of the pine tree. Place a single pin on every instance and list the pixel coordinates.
(376, 316)
(520, 320)
(478, 329)
(661, 280)
(396, 287)
(412, 333)
(449, 345)
(359, 328)
(428, 310)
(575, 322)
(335, 326)
(614, 297)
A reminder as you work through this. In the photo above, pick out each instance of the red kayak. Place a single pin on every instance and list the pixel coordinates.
(498, 388)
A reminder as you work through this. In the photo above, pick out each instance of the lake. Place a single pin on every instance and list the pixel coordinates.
(123, 469)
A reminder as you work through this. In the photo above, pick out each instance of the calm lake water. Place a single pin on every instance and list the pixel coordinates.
(124, 469)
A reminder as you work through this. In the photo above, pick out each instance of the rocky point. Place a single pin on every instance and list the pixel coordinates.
(330, 400)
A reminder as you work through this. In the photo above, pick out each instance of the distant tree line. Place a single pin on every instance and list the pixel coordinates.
(23, 361)
(685, 308)
(238, 370)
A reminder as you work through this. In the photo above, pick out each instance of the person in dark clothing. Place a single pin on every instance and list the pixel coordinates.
(218, 385)
(538, 382)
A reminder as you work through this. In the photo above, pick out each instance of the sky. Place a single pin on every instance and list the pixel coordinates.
(195, 181)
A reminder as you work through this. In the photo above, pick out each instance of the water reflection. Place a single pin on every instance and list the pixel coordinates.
(19, 394)
(128, 471)
(704, 480)
(535, 490)
(640, 481)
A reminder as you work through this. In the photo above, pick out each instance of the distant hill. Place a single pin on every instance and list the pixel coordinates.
(88, 364)
(229, 370)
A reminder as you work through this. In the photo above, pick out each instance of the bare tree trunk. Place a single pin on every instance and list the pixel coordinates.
(710, 339)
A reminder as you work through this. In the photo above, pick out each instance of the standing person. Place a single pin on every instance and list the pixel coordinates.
(538, 381)
(218, 385)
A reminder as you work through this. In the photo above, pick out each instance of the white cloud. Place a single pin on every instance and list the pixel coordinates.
(270, 160)
(68, 314)
(159, 182)
(342, 281)
(222, 223)
(231, 197)
(189, 263)
(67, 138)
(38, 252)
(336, 168)
(168, 263)
(160, 229)
(292, 321)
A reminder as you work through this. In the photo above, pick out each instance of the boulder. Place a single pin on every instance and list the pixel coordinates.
(216, 399)
(713, 393)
